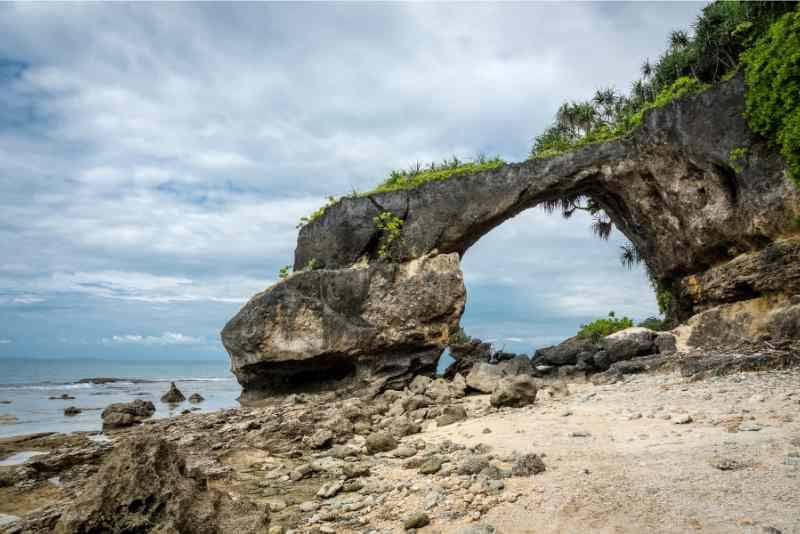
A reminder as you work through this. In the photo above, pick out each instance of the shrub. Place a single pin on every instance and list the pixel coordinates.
(772, 73)
(459, 337)
(738, 158)
(284, 272)
(418, 175)
(653, 323)
(391, 226)
(600, 328)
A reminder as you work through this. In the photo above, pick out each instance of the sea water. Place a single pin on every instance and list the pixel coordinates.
(29, 383)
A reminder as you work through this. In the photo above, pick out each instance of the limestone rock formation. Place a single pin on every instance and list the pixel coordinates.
(514, 391)
(715, 235)
(144, 486)
(173, 395)
(125, 414)
(374, 325)
(485, 376)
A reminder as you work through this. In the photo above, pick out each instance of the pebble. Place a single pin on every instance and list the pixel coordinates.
(418, 520)
(748, 426)
(683, 419)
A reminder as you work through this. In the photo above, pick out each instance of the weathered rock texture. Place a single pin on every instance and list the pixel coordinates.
(376, 325)
(710, 233)
(144, 486)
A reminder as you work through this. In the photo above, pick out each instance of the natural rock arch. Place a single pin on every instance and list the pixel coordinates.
(710, 233)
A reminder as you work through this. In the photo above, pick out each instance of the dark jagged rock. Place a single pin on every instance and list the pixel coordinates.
(466, 355)
(711, 234)
(173, 395)
(566, 352)
(125, 414)
(144, 486)
(196, 398)
(374, 326)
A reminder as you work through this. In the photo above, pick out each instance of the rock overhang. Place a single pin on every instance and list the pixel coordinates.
(668, 186)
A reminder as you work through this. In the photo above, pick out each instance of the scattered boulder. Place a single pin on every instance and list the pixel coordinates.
(173, 396)
(566, 352)
(320, 439)
(431, 465)
(380, 442)
(419, 384)
(330, 490)
(527, 465)
(125, 414)
(472, 465)
(145, 486)
(466, 355)
(196, 398)
(514, 391)
(417, 520)
(629, 343)
(451, 414)
(484, 376)
(72, 411)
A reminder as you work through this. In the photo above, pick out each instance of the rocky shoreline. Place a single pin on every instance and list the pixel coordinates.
(439, 455)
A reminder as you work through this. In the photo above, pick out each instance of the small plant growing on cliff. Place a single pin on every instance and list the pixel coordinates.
(284, 272)
(391, 226)
(738, 159)
(312, 265)
(420, 174)
(317, 213)
(459, 337)
(600, 328)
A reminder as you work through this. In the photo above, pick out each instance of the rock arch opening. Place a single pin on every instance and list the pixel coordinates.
(710, 235)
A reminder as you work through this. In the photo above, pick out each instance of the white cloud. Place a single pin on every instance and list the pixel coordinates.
(146, 287)
(5, 341)
(167, 338)
(115, 188)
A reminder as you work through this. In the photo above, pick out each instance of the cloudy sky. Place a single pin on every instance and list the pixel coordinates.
(154, 159)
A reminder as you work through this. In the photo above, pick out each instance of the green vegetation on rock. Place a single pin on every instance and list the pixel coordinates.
(738, 158)
(459, 337)
(317, 213)
(418, 175)
(390, 226)
(600, 328)
(772, 73)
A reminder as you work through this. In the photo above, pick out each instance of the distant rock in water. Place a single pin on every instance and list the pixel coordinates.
(63, 396)
(144, 486)
(174, 395)
(196, 398)
(71, 411)
(7, 419)
(108, 380)
(125, 414)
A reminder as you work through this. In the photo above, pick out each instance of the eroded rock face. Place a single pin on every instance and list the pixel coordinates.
(374, 326)
(669, 187)
(711, 234)
(144, 486)
(125, 414)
